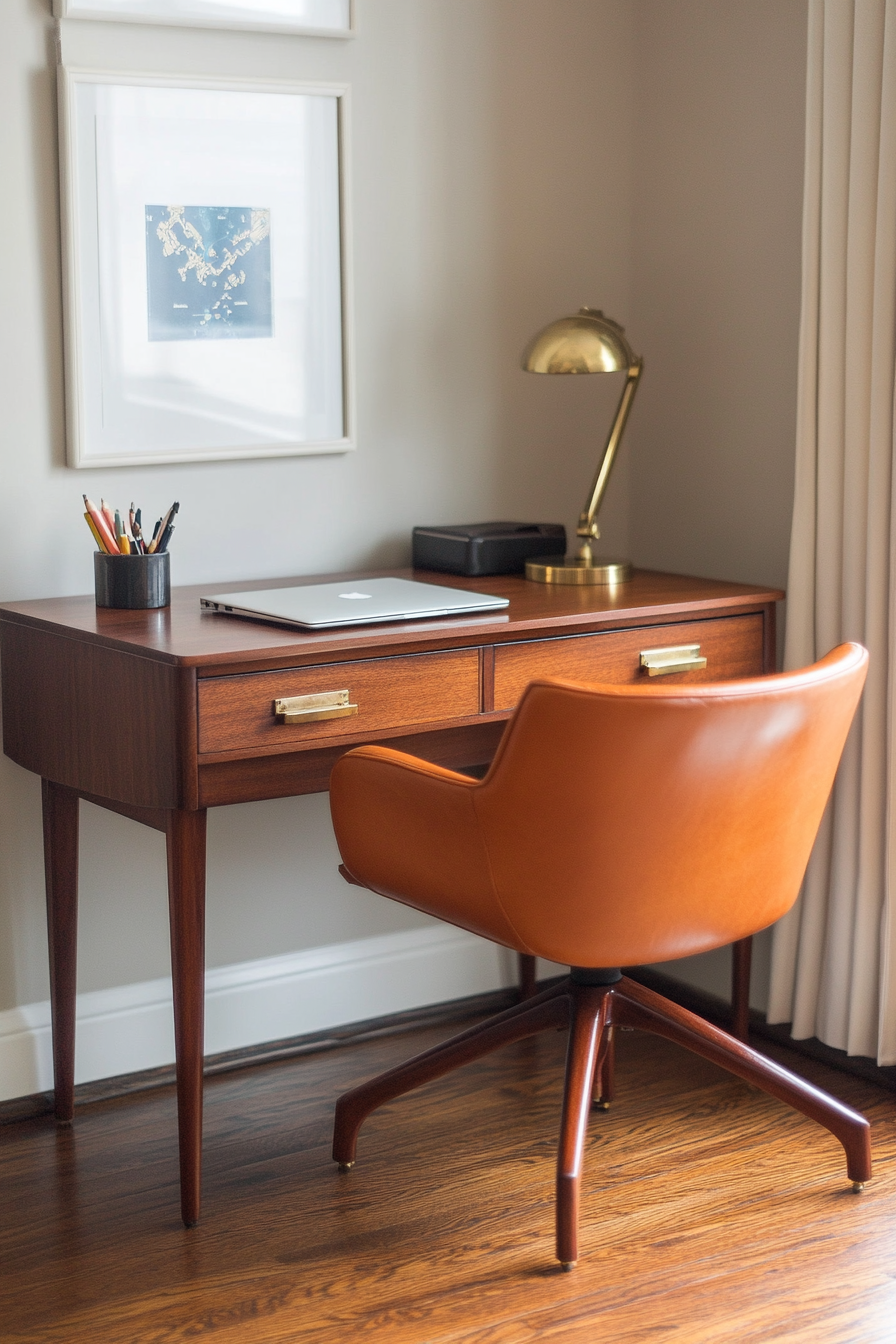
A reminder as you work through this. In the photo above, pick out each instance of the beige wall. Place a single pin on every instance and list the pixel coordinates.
(512, 159)
(491, 148)
(716, 293)
(718, 201)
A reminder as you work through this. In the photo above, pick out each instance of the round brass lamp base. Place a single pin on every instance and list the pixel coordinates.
(570, 569)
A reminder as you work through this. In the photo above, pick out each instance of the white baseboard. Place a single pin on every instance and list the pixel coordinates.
(131, 1027)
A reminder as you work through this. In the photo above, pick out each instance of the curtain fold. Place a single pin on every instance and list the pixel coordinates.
(834, 955)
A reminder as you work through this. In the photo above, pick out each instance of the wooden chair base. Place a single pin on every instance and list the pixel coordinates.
(590, 1012)
(741, 961)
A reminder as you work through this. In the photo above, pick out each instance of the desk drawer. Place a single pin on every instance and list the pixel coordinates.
(238, 711)
(732, 646)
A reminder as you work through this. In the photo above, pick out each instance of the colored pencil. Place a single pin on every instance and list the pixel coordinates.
(100, 544)
(99, 521)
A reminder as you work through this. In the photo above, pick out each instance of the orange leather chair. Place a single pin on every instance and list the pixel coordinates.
(617, 825)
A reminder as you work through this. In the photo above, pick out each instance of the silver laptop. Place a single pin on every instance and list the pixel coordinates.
(314, 606)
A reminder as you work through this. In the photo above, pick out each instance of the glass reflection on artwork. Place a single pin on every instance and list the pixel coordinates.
(326, 17)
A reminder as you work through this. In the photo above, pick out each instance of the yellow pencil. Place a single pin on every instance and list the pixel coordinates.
(100, 544)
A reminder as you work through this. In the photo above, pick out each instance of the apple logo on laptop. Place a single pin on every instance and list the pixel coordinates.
(356, 596)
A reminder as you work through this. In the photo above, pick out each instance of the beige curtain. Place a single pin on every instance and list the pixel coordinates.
(834, 956)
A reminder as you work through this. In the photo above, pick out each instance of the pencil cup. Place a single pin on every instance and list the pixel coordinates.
(133, 581)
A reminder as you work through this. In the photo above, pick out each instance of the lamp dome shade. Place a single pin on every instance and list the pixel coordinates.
(585, 343)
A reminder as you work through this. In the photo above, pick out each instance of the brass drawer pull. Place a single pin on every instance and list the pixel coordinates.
(679, 658)
(313, 708)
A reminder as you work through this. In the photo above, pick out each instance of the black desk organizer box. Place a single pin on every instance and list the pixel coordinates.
(486, 548)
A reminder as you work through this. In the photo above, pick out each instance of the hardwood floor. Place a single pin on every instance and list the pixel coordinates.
(710, 1212)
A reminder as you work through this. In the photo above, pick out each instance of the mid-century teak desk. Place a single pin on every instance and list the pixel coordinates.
(159, 715)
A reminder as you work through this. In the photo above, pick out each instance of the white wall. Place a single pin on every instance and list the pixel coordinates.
(491, 148)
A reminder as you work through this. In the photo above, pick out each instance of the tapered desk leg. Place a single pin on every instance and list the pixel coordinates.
(741, 958)
(60, 809)
(186, 905)
(528, 983)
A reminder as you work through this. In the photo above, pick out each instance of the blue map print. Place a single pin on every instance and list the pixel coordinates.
(208, 272)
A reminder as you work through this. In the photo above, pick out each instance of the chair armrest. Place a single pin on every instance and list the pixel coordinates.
(408, 830)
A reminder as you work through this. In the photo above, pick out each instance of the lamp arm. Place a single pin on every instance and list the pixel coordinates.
(588, 518)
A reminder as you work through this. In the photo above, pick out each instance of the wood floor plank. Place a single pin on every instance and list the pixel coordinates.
(710, 1212)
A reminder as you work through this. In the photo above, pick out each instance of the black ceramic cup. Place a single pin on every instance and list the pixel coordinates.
(134, 581)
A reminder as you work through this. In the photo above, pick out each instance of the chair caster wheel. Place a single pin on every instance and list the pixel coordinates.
(599, 1104)
(346, 1166)
(568, 1265)
(858, 1187)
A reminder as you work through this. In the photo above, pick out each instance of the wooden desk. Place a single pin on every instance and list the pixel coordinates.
(159, 715)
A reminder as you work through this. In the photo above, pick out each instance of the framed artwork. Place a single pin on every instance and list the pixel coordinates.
(205, 269)
(322, 18)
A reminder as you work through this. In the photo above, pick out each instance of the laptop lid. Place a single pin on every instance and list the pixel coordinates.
(315, 606)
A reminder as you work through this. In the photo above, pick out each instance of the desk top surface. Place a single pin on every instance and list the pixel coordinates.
(186, 635)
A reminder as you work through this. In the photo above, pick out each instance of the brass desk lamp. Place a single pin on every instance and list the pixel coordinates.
(586, 343)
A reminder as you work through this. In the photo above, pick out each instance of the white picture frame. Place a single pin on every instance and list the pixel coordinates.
(316, 18)
(216, 327)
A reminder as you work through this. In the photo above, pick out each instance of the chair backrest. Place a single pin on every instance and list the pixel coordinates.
(640, 823)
